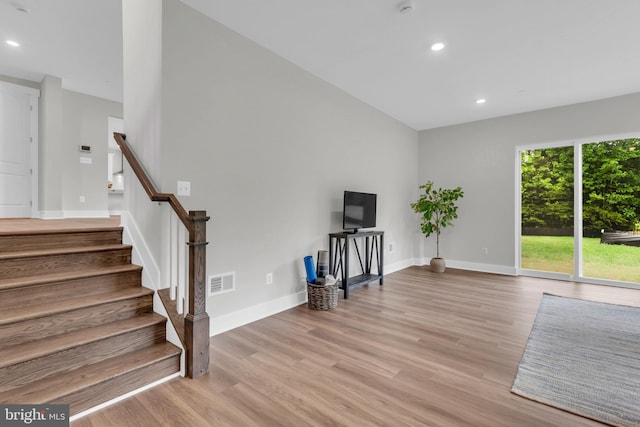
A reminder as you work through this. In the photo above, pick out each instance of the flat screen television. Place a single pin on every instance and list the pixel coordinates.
(359, 211)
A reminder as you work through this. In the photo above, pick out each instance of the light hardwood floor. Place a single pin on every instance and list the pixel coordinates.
(423, 350)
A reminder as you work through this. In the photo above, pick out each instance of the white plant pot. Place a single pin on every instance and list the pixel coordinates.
(437, 265)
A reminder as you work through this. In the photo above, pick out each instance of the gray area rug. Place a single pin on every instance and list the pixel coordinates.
(584, 357)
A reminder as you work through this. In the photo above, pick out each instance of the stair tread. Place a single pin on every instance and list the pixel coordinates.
(50, 345)
(61, 251)
(66, 275)
(50, 388)
(46, 231)
(28, 311)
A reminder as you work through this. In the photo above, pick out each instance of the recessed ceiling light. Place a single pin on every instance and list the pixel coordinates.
(481, 101)
(13, 43)
(437, 46)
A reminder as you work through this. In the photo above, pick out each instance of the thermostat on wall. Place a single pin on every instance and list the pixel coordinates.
(85, 148)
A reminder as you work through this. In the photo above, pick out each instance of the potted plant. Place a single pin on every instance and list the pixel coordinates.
(438, 210)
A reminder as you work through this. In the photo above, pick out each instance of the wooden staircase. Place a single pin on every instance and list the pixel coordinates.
(76, 325)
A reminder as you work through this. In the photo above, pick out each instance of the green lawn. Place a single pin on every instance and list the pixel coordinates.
(551, 253)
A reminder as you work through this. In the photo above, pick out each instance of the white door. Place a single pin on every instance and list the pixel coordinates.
(15, 153)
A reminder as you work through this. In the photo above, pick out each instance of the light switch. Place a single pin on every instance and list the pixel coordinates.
(184, 188)
(85, 160)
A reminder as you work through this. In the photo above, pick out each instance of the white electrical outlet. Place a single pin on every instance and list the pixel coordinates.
(269, 278)
(392, 246)
(184, 188)
(486, 251)
(82, 200)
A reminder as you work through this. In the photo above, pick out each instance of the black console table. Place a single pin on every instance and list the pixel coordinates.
(339, 257)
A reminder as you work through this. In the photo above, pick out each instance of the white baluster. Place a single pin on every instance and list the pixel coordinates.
(173, 248)
(181, 270)
(185, 257)
(165, 279)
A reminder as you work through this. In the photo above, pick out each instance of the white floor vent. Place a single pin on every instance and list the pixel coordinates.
(221, 283)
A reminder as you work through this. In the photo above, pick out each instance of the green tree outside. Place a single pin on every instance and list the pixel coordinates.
(547, 188)
(611, 186)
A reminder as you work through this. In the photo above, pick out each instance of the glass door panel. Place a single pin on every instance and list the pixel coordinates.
(611, 210)
(547, 207)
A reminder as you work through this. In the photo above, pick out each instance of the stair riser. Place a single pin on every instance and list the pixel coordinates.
(35, 329)
(104, 391)
(30, 242)
(60, 290)
(32, 266)
(64, 361)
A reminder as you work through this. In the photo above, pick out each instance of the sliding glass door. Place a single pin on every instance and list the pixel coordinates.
(547, 210)
(580, 211)
(611, 210)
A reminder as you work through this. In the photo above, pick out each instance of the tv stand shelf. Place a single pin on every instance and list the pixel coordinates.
(339, 257)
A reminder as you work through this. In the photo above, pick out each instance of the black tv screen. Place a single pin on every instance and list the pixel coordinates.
(359, 210)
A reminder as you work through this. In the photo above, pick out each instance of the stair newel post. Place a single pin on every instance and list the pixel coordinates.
(196, 325)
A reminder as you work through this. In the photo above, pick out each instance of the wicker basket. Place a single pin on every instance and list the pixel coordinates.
(321, 297)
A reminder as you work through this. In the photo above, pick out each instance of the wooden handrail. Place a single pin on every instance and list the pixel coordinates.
(194, 330)
(147, 184)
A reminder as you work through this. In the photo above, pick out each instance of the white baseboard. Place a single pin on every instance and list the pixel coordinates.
(484, 268)
(397, 266)
(73, 214)
(51, 215)
(86, 214)
(473, 266)
(238, 318)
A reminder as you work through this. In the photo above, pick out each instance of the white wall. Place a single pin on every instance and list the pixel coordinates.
(51, 148)
(480, 157)
(269, 150)
(142, 43)
(85, 123)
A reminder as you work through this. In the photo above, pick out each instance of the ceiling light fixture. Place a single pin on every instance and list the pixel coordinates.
(437, 46)
(481, 101)
(13, 43)
(406, 7)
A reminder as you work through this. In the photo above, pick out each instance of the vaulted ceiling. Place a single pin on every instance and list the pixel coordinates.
(518, 55)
